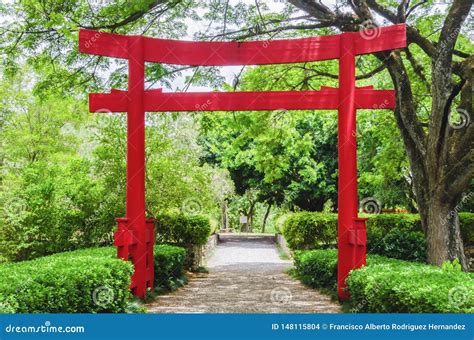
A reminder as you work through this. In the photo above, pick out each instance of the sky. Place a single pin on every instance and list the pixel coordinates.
(228, 72)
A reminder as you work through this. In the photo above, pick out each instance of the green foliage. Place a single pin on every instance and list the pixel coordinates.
(466, 221)
(51, 208)
(398, 243)
(393, 235)
(67, 71)
(83, 281)
(183, 230)
(385, 222)
(453, 266)
(391, 286)
(308, 230)
(404, 287)
(280, 222)
(287, 157)
(63, 173)
(169, 265)
(317, 268)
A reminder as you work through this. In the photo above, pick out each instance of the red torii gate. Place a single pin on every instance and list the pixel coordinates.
(134, 237)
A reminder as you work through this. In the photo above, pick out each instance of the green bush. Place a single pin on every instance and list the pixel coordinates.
(412, 222)
(309, 230)
(386, 222)
(317, 268)
(83, 281)
(398, 243)
(182, 230)
(404, 287)
(466, 220)
(169, 265)
(393, 235)
(390, 285)
(52, 208)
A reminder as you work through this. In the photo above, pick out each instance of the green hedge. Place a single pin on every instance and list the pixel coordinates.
(169, 265)
(309, 230)
(404, 287)
(466, 220)
(182, 229)
(390, 285)
(83, 281)
(397, 243)
(90, 280)
(317, 268)
(385, 222)
(393, 235)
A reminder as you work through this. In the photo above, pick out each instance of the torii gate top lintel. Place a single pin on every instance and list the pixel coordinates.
(204, 53)
(134, 237)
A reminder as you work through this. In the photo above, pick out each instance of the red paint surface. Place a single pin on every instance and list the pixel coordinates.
(242, 53)
(157, 101)
(135, 236)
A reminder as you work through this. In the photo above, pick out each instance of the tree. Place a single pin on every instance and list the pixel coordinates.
(440, 151)
(438, 56)
(45, 33)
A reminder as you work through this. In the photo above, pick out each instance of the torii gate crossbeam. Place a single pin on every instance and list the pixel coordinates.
(134, 237)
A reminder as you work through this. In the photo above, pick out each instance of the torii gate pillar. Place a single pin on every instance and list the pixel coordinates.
(350, 229)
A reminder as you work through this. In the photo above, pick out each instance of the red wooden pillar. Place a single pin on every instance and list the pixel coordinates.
(347, 163)
(136, 162)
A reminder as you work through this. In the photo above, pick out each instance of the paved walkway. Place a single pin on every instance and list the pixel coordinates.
(245, 276)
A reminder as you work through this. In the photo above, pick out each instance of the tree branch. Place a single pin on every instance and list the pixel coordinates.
(442, 83)
(132, 17)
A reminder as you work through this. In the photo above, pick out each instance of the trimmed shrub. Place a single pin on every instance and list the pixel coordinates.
(412, 222)
(393, 235)
(390, 285)
(309, 230)
(398, 243)
(387, 222)
(317, 268)
(182, 230)
(83, 281)
(466, 220)
(404, 287)
(169, 265)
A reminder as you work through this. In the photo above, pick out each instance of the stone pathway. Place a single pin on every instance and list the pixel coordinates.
(245, 276)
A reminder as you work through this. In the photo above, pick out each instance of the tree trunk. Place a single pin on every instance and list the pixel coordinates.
(266, 217)
(250, 217)
(249, 222)
(443, 233)
(224, 217)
